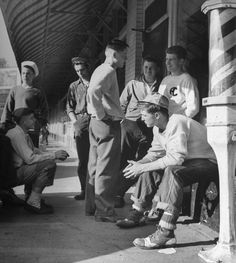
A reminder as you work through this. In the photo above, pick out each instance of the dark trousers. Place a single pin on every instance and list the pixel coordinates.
(103, 167)
(81, 135)
(136, 139)
(82, 147)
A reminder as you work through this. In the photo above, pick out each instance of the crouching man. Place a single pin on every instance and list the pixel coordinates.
(35, 169)
(180, 155)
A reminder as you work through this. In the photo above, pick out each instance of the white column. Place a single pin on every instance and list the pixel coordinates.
(221, 120)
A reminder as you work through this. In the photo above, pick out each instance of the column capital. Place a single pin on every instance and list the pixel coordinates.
(215, 4)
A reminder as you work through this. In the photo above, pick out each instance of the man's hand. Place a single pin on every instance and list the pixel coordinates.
(133, 169)
(61, 155)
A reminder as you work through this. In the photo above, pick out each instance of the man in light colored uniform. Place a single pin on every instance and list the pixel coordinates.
(104, 133)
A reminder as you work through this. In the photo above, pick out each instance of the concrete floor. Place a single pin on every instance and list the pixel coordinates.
(68, 236)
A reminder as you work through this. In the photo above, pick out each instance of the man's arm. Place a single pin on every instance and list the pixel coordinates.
(23, 150)
(176, 152)
(43, 106)
(192, 97)
(97, 87)
(8, 107)
(71, 104)
(125, 97)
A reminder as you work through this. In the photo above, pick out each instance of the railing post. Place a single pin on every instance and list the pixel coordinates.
(221, 119)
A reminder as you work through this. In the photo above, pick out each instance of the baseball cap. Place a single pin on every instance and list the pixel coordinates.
(20, 112)
(79, 60)
(156, 99)
(31, 65)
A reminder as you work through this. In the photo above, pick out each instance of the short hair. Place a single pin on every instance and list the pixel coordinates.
(21, 112)
(117, 45)
(149, 58)
(179, 51)
(80, 60)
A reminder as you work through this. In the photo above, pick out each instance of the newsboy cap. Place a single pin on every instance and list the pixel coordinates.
(32, 65)
(156, 99)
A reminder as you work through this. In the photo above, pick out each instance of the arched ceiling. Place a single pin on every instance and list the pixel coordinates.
(50, 32)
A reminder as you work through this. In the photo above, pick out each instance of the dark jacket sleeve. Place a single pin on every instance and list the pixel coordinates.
(71, 102)
(9, 107)
(43, 108)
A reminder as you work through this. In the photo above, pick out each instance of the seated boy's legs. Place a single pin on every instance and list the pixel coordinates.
(169, 198)
(134, 145)
(144, 192)
(36, 177)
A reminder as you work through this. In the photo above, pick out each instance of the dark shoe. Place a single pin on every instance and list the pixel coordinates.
(44, 209)
(90, 213)
(135, 218)
(161, 238)
(80, 196)
(9, 198)
(106, 218)
(119, 201)
(154, 215)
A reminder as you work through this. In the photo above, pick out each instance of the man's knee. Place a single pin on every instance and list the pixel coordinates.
(47, 166)
(173, 173)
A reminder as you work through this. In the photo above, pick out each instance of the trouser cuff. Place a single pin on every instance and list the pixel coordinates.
(137, 205)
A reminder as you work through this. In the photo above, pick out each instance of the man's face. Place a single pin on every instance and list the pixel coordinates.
(81, 70)
(149, 118)
(150, 70)
(29, 121)
(121, 57)
(27, 76)
(173, 63)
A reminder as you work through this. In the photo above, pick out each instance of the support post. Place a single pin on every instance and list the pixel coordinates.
(221, 120)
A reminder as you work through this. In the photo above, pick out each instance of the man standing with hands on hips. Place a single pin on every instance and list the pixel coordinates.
(77, 111)
(105, 134)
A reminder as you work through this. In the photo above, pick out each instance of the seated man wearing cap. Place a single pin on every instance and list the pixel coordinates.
(35, 169)
(76, 108)
(180, 155)
(26, 96)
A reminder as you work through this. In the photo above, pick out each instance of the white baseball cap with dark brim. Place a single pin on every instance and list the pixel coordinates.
(155, 99)
(31, 65)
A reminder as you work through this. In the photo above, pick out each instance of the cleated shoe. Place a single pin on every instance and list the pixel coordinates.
(161, 238)
(135, 218)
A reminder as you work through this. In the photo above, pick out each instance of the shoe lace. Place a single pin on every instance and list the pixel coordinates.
(155, 234)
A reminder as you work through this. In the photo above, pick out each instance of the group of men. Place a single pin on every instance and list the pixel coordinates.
(145, 136)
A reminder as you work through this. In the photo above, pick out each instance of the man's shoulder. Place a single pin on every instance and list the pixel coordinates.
(75, 84)
(186, 76)
(101, 73)
(104, 68)
(178, 120)
(13, 132)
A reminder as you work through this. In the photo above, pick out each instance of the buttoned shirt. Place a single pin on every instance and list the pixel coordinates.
(76, 98)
